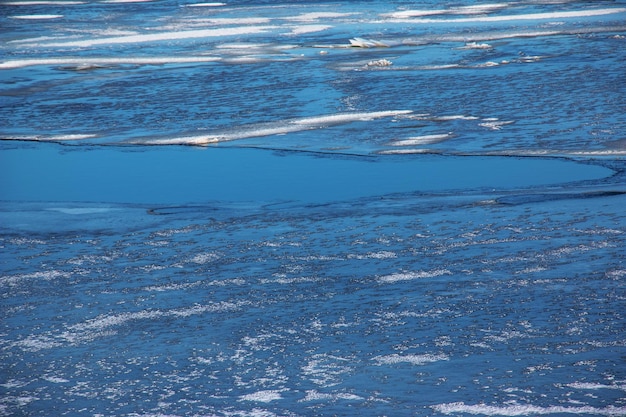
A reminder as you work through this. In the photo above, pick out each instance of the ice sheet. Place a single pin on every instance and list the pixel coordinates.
(396, 209)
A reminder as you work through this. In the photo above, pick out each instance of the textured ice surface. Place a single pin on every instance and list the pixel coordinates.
(430, 220)
(491, 309)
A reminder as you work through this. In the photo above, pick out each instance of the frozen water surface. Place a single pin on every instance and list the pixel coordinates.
(315, 208)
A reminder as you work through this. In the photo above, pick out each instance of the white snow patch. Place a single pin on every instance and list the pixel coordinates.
(405, 276)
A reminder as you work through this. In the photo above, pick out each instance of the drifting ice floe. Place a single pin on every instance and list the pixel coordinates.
(508, 18)
(276, 128)
(158, 37)
(404, 276)
(263, 396)
(41, 3)
(205, 5)
(526, 410)
(313, 395)
(476, 45)
(422, 140)
(95, 62)
(412, 359)
(462, 10)
(368, 43)
(37, 16)
(380, 63)
(125, 1)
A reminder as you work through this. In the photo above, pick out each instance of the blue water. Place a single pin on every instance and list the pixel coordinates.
(259, 208)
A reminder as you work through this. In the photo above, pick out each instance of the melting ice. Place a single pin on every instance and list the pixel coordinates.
(313, 208)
